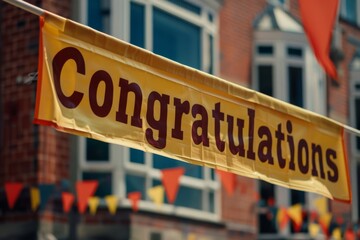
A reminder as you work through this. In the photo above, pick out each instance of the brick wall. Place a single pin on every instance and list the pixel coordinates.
(236, 36)
(29, 153)
(18, 57)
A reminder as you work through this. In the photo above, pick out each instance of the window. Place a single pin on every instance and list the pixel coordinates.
(348, 10)
(184, 32)
(282, 3)
(285, 68)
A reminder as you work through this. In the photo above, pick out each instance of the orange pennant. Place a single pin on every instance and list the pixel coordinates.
(134, 198)
(318, 19)
(67, 201)
(84, 190)
(13, 190)
(170, 180)
(228, 180)
(282, 218)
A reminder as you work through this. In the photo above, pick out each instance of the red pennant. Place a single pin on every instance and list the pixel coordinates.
(134, 197)
(67, 201)
(318, 19)
(340, 220)
(84, 190)
(297, 227)
(313, 216)
(228, 180)
(13, 191)
(349, 235)
(271, 202)
(170, 180)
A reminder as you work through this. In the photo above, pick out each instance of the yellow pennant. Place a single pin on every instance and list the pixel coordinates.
(336, 234)
(295, 213)
(93, 203)
(321, 205)
(325, 219)
(314, 229)
(35, 198)
(111, 202)
(156, 194)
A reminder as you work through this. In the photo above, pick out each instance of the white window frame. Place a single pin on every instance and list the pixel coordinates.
(343, 11)
(314, 92)
(119, 157)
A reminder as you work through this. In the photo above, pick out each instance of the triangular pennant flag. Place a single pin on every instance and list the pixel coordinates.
(228, 181)
(313, 216)
(314, 229)
(349, 235)
(282, 218)
(93, 204)
(295, 214)
(134, 198)
(67, 201)
(318, 18)
(336, 234)
(84, 190)
(12, 190)
(45, 192)
(321, 205)
(170, 180)
(35, 198)
(191, 236)
(111, 202)
(324, 221)
(156, 194)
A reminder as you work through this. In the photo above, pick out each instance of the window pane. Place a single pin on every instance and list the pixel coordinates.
(294, 52)
(357, 115)
(265, 50)
(99, 15)
(212, 201)
(351, 10)
(267, 192)
(137, 31)
(266, 224)
(186, 197)
(191, 170)
(186, 5)
(96, 150)
(267, 195)
(299, 197)
(265, 79)
(211, 43)
(135, 183)
(296, 86)
(176, 39)
(137, 156)
(104, 179)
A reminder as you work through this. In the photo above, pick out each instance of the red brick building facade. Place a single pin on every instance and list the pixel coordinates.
(33, 154)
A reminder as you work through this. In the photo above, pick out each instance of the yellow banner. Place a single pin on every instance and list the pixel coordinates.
(97, 86)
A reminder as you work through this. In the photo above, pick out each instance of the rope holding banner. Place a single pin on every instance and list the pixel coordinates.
(26, 6)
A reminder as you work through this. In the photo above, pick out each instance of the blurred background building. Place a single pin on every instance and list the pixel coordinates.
(259, 44)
